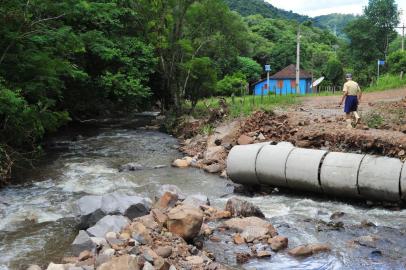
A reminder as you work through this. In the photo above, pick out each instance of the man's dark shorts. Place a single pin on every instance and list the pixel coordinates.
(351, 104)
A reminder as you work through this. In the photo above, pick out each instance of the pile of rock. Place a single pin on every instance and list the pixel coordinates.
(169, 235)
(262, 126)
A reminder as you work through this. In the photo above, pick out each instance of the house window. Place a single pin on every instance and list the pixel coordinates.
(292, 83)
(280, 84)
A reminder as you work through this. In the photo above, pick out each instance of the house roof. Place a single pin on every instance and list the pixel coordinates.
(289, 72)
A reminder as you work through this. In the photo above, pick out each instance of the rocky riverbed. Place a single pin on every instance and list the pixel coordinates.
(40, 219)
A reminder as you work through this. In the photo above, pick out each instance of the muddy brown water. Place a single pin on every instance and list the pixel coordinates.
(37, 221)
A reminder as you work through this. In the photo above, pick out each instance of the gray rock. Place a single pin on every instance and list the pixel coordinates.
(75, 268)
(93, 208)
(172, 267)
(196, 200)
(108, 224)
(100, 241)
(148, 266)
(90, 210)
(131, 167)
(170, 188)
(82, 242)
(129, 206)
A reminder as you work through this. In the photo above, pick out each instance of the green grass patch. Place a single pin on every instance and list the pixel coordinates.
(387, 82)
(373, 119)
(244, 106)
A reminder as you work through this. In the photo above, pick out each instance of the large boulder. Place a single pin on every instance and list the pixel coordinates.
(82, 242)
(185, 221)
(90, 210)
(108, 224)
(93, 208)
(242, 208)
(226, 134)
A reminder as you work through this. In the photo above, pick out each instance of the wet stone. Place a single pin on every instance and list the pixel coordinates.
(108, 224)
(82, 242)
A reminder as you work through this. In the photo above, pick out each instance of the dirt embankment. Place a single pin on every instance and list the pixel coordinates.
(317, 122)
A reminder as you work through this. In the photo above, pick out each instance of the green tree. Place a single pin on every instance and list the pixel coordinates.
(250, 68)
(384, 16)
(231, 84)
(397, 62)
(202, 79)
(182, 30)
(334, 71)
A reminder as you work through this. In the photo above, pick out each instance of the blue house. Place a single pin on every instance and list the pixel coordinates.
(284, 82)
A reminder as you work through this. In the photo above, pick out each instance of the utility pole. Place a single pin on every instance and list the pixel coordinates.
(403, 35)
(298, 62)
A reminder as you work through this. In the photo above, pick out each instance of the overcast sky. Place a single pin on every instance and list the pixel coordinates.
(322, 7)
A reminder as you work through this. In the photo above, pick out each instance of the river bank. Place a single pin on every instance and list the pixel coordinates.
(316, 122)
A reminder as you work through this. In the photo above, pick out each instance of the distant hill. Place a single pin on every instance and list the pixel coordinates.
(253, 7)
(334, 22)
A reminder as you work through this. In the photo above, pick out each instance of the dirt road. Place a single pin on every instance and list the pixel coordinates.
(320, 122)
(329, 104)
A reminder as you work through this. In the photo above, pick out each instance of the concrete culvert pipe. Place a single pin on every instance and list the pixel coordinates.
(302, 169)
(241, 163)
(271, 164)
(379, 178)
(403, 182)
(339, 174)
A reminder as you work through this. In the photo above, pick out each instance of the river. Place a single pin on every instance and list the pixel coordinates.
(37, 221)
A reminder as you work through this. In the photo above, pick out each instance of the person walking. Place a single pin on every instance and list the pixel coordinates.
(352, 95)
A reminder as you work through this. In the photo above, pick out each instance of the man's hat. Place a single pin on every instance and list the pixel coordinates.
(348, 76)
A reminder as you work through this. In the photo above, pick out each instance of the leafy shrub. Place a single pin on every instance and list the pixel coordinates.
(231, 84)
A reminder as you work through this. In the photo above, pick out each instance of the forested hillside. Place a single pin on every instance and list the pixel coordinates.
(74, 59)
(336, 23)
(333, 22)
(253, 7)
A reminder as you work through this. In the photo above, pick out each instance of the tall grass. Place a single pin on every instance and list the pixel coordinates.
(387, 82)
(244, 106)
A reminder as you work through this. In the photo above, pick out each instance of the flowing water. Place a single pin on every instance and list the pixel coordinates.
(37, 221)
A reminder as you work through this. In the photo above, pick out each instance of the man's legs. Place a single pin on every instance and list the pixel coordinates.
(348, 120)
(357, 118)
